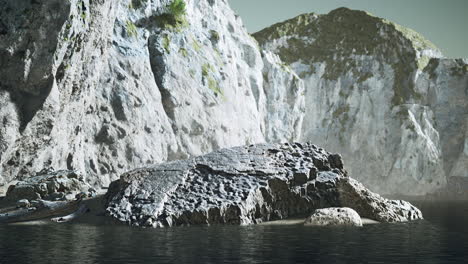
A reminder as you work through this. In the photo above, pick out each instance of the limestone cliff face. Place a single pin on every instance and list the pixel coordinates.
(380, 94)
(103, 87)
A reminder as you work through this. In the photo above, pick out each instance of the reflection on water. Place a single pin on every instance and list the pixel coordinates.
(442, 237)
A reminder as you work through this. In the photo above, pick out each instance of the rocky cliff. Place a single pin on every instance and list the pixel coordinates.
(105, 86)
(380, 94)
(102, 87)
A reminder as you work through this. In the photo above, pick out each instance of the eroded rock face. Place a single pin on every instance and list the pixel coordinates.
(246, 185)
(54, 186)
(103, 87)
(373, 206)
(378, 93)
(341, 216)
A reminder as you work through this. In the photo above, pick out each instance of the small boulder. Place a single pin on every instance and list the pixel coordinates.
(22, 203)
(47, 185)
(338, 216)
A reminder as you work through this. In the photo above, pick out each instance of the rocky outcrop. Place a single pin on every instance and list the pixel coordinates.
(378, 93)
(370, 205)
(54, 186)
(103, 87)
(341, 216)
(246, 185)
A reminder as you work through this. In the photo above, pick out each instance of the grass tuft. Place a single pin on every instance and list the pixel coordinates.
(175, 18)
(131, 29)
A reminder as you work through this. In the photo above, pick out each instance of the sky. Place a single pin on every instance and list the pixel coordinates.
(443, 22)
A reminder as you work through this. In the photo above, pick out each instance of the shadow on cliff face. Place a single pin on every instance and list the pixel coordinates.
(28, 104)
(158, 66)
(29, 33)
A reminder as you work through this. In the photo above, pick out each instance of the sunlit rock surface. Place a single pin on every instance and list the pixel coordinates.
(106, 86)
(103, 87)
(246, 185)
(378, 93)
(335, 216)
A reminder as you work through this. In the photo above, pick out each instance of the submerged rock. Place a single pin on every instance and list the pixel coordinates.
(246, 185)
(54, 186)
(341, 216)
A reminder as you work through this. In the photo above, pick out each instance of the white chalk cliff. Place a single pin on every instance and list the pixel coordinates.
(103, 87)
(380, 94)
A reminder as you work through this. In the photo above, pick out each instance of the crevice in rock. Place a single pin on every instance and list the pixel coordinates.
(158, 67)
(70, 162)
(118, 102)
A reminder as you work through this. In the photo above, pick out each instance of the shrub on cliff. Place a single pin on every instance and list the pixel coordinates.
(175, 18)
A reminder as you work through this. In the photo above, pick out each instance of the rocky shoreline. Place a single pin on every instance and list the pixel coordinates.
(239, 186)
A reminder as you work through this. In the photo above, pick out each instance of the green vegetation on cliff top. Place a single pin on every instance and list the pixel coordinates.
(338, 37)
(306, 25)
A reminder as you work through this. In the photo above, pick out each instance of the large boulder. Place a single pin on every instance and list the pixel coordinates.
(371, 205)
(341, 216)
(246, 185)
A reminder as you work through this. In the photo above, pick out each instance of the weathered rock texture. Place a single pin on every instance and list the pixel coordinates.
(106, 86)
(102, 87)
(60, 185)
(246, 185)
(338, 216)
(378, 93)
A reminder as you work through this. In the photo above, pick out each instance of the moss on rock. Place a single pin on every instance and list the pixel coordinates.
(131, 29)
(166, 42)
(460, 69)
(342, 38)
(175, 18)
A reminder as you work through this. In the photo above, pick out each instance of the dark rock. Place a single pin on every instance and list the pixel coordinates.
(301, 177)
(299, 145)
(321, 163)
(336, 161)
(313, 173)
(243, 185)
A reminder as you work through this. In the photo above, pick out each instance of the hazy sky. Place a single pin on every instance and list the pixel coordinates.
(444, 22)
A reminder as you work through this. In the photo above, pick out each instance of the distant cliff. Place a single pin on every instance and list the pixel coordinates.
(381, 95)
(103, 87)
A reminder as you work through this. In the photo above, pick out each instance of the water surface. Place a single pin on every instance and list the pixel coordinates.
(441, 238)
